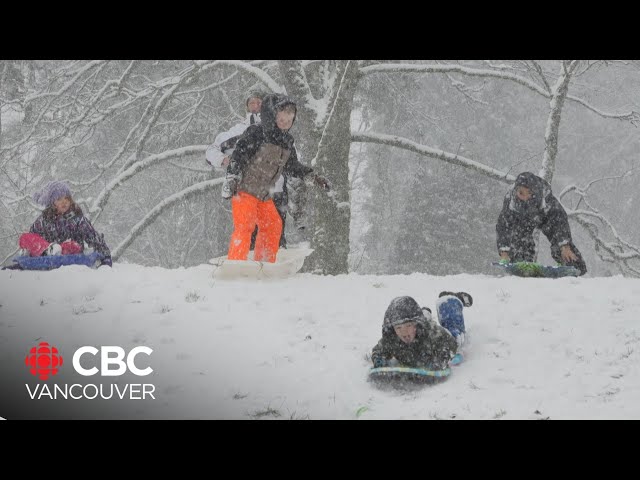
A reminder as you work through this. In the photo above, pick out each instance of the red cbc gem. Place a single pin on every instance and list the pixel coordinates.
(43, 360)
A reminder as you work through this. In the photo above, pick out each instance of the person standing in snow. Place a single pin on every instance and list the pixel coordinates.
(262, 154)
(219, 154)
(530, 204)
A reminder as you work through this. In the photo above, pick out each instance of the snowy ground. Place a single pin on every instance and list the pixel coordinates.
(297, 348)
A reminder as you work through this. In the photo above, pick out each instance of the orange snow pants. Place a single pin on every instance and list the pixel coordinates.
(248, 212)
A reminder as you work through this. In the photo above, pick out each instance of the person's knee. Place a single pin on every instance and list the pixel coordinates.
(23, 239)
(273, 223)
(245, 228)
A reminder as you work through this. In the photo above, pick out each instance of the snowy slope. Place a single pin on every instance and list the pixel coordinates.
(296, 348)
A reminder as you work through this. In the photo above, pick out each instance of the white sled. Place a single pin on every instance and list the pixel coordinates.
(288, 262)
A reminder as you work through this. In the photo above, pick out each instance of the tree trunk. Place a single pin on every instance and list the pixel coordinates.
(559, 94)
(332, 218)
(3, 70)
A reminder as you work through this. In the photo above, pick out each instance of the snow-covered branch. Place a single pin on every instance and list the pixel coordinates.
(102, 198)
(618, 251)
(323, 137)
(212, 86)
(153, 118)
(465, 90)
(110, 86)
(298, 87)
(159, 208)
(441, 68)
(260, 74)
(452, 158)
(538, 70)
(332, 82)
(631, 116)
(558, 96)
(635, 250)
(84, 69)
(611, 252)
(583, 191)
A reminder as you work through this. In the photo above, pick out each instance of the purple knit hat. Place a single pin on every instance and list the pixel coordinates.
(51, 192)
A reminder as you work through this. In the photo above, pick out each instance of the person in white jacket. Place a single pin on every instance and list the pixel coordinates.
(219, 153)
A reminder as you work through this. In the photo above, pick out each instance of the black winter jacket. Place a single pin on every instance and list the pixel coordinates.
(519, 219)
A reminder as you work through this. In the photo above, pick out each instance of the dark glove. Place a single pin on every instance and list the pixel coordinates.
(322, 182)
(379, 362)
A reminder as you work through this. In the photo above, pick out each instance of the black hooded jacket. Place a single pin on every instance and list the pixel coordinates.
(433, 346)
(518, 219)
(264, 152)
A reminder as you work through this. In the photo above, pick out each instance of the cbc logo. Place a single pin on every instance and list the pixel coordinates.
(106, 359)
(45, 360)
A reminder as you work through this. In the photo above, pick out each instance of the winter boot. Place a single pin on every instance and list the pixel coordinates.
(465, 298)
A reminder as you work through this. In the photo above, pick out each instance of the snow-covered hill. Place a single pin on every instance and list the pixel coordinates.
(297, 348)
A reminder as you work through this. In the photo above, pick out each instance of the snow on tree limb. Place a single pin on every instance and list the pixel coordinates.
(102, 198)
(263, 76)
(538, 69)
(619, 252)
(454, 159)
(211, 86)
(582, 191)
(635, 253)
(322, 140)
(158, 209)
(616, 254)
(52, 96)
(81, 71)
(631, 116)
(298, 88)
(558, 96)
(470, 71)
(92, 112)
(153, 118)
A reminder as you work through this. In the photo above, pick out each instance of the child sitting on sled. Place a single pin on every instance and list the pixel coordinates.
(61, 229)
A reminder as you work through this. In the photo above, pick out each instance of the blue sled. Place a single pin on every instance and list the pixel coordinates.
(457, 359)
(93, 260)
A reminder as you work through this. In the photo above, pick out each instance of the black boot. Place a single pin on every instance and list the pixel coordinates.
(465, 298)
